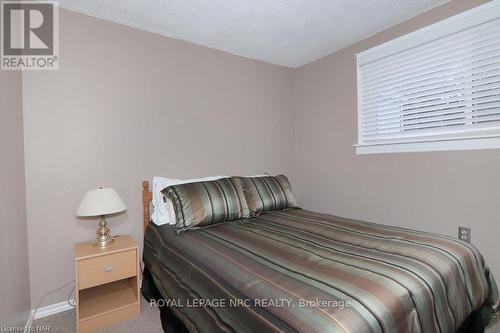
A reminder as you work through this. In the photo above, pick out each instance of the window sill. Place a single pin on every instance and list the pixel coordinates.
(477, 143)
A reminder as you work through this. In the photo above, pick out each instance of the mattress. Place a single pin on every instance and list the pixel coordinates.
(301, 271)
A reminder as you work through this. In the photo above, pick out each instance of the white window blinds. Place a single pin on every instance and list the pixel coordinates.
(440, 85)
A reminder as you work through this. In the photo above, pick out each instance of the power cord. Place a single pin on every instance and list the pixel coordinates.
(72, 304)
(53, 291)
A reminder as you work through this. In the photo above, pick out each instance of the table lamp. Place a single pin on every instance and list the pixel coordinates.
(101, 202)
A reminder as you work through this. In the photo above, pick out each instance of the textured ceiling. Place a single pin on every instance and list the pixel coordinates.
(291, 33)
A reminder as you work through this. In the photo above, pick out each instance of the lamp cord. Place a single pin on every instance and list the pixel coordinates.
(53, 291)
(72, 304)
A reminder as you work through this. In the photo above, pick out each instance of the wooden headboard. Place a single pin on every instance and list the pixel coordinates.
(147, 196)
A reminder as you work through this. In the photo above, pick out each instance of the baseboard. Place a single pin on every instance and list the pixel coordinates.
(46, 311)
(50, 310)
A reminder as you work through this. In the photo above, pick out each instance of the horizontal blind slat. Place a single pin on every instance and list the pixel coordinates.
(479, 109)
(458, 50)
(402, 121)
(403, 128)
(488, 118)
(479, 33)
(433, 79)
(464, 113)
(476, 92)
(438, 132)
(435, 65)
(442, 108)
(426, 74)
(444, 87)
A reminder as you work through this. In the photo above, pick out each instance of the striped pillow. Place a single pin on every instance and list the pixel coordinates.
(268, 193)
(206, 203)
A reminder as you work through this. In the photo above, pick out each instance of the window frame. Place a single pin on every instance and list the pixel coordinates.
(461, 141)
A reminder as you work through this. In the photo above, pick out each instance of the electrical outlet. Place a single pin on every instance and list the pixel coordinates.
(464, 234)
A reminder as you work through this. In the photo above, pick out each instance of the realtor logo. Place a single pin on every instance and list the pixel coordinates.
(29, 36)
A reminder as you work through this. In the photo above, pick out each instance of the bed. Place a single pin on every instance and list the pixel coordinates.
(295, 270)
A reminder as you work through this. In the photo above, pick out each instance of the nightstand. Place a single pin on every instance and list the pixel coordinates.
(106, 283)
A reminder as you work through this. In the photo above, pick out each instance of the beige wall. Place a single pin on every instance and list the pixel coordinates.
(126, 105)
(14, 277)
(435, 191)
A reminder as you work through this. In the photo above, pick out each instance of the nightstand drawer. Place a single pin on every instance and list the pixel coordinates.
(107, 268)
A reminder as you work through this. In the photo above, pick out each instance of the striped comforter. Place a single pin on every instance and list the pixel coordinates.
(300, 271)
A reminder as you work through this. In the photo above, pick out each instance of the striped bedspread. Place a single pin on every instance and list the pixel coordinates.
(300, 271)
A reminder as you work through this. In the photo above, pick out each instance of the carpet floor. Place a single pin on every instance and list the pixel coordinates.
(147, 322)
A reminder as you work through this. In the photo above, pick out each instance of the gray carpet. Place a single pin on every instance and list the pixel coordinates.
(149, 322)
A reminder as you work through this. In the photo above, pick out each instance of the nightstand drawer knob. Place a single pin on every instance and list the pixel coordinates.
(109, 268)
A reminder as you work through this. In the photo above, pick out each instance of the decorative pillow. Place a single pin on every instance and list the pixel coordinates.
(206, 203)
(163, 209)
(268, 193)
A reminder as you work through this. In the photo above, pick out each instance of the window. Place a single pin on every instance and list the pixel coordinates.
(435, 89)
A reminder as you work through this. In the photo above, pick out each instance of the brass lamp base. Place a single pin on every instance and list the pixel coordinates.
(103, 237)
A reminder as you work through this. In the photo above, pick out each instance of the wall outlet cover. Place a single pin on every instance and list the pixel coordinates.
(464, 234)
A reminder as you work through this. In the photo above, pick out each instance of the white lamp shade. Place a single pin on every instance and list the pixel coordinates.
(102, 201)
